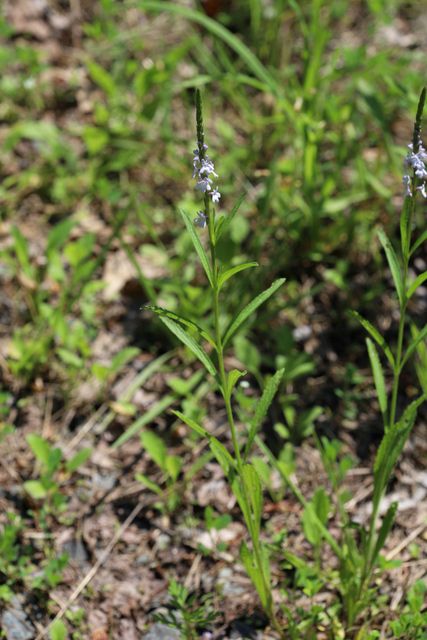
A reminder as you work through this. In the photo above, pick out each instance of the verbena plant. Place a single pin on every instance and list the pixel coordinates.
(242, 476)
(358, 555)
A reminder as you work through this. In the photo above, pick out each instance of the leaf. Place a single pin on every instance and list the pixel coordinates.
(376, 336)
(378, 379)
(224, 226)
(101, 77)
(207, 435)
(262, 408)
(420, 240)
(197, 244)
(225, 275)
(146, 418)
(59, 235)
(173, 466)
(414, 286)
(40, 447)
(250, 308)
(58, 630)
(35, 489)
(192, 344)
(395, 269)
(123, 357)
(70, 358)
(150, 485)
(233, 377)
(253, 485)
(77, 460)
(385, 529)
(95, 139)
(155, 447)
(422, 334)
(189, 323)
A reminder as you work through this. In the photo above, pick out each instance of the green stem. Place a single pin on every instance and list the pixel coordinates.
(239, 463)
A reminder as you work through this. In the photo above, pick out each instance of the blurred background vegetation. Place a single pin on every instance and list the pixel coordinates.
(308, 106)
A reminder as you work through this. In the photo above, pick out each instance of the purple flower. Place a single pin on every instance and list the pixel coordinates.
(201, 220)
(416, 161)
(215, 195)
(203, 184)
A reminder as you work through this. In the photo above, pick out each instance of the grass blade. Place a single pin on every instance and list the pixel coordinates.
(422, 334)
(414, 286)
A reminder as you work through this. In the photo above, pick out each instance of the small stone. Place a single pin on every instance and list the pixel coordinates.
(159, 631)
(15, 622)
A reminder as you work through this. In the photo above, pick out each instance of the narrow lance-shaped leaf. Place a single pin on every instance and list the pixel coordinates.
(376, 336)
(393, 262)
(233, 377)
(197, 244)
(262, 408)
(174, 316)
(418, 242)
(223, 226)
(192, 344)
(410, 350)
(191, 423)
(250, 308)
(225, 275)
(383, 533)
(378, 379)
(253, 485)
(414, 286)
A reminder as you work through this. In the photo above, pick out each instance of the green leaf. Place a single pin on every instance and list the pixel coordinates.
(40, 447)
(174, 316)
(58, 630)
(420, 240)
(191, 344)
(197, 244)
(393, 263)
(146, 418)
(250, 308)
(233, 377)
(410, 350)
(404, 223)
(101, 77)
(21, 250)
(224, 226)
(35, 489)
(225, 275)
(70, 358)
(253, 485)
(173, 466)
(385, 529)
(59, 235)
(54, 459)
(414, 286)
(122, 358)
(376, 336)
(191, 423)
(77, 460)
(155, 447)
(262, 408)
(150, 485)
(378, 379)
(95, 139)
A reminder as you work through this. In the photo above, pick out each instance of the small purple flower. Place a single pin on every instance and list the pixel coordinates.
(215, 195)
(203, 184)
(207, 635)
(423, 189)
(201, 220)
(416, 161)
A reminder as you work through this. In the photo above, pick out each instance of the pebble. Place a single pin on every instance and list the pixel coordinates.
(159, 631)
(15, 623)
